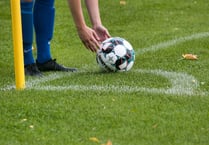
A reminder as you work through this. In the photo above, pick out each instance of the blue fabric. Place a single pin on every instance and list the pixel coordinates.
(27, 31)
(44, 13)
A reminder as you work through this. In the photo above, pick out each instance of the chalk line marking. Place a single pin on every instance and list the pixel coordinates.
(37, 81)
(181, 82)
(169, 43)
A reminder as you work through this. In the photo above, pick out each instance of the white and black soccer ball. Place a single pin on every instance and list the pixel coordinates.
(115, 54)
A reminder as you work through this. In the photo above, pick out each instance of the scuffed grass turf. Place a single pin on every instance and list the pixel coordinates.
(72, 116)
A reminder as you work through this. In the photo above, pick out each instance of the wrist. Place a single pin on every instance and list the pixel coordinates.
(96, 25)
(80, 26)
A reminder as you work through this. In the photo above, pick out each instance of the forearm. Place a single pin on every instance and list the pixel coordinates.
(77, 13)
(89, 36)
(93, 10)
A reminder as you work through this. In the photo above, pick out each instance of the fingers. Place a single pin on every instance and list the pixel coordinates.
(107, 35)
(92, 38)
(102, 32)
(96, 39)
(91, 44)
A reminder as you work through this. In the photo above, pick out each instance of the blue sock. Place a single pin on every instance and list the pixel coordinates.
(27, 31)
(44, 12)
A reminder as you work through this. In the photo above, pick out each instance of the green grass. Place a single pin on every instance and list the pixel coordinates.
(85, 109)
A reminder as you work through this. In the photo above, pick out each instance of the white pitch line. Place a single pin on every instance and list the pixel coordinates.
(181, 84)
(38, 80)
(178, 86)
(169, 43)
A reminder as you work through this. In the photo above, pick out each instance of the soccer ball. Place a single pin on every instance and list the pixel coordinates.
(115, 54)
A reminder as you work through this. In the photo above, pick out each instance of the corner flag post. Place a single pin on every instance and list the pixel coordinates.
(17, 44)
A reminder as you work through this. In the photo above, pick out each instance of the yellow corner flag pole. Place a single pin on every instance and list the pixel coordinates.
(17, 44)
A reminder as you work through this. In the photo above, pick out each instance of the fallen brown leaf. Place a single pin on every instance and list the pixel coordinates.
(155, 126)
(123, 2)
(108, 143)
(189, 56)
(94, 139)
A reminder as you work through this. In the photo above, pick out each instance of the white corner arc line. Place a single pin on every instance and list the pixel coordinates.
(172, 42)
(36, 81)
(173, 90)
(181, 84)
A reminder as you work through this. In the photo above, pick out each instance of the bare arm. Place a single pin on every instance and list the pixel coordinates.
(89, 37)
(93, 10)
(77, 13)
(86, 34)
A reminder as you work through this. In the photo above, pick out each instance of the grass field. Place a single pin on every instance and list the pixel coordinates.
(162, 101)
